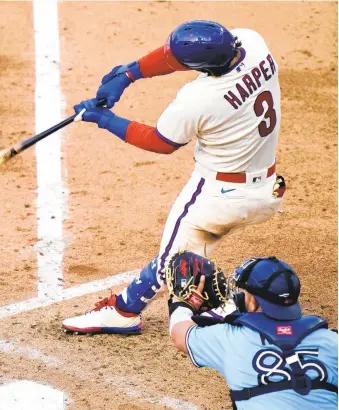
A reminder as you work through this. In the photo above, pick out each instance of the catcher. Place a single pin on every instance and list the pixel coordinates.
(266, 346)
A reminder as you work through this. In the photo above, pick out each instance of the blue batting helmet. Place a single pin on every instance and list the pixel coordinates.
(201, 44)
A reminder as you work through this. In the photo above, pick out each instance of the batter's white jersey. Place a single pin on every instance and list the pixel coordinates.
(235, 117)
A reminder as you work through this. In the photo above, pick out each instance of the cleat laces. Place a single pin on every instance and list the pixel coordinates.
(104, 303)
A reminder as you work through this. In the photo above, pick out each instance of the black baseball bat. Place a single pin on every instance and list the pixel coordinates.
(8, 153)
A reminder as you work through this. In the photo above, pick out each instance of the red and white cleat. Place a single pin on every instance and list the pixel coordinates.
(104, 318)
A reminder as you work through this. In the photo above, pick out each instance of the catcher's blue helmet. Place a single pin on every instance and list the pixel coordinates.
(274, 284)
(202, 44)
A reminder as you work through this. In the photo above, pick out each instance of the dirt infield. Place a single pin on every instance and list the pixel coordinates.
(119, 196)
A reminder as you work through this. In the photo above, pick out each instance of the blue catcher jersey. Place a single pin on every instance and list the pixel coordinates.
(245, 360)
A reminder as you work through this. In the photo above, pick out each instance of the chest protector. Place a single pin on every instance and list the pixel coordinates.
(287, 336)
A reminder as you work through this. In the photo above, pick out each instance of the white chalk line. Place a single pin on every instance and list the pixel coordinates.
(29, 395)
(130, 386)
(51, 192)
(69, 293)
(28, 352)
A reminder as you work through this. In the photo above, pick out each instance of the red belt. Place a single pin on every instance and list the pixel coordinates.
(240, 177)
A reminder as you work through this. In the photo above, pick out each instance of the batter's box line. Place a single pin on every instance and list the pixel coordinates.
(69, 293)
(129, 385)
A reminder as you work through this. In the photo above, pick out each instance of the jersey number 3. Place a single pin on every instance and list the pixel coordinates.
(270, 118)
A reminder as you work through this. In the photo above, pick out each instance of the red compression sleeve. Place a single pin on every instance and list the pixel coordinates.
(159, 62)
(146, 137)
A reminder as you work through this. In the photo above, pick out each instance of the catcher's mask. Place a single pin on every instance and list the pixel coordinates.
(274, 284)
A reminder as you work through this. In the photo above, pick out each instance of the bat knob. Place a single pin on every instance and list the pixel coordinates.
(79, 115)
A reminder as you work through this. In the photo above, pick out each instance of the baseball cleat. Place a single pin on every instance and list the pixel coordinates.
(104, 318)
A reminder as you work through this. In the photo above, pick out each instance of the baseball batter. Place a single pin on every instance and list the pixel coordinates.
(233, 110)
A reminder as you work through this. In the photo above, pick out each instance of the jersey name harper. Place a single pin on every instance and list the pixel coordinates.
(235, 117)
(251, 82)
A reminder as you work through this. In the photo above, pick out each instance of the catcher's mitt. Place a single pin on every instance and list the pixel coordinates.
(183, 276)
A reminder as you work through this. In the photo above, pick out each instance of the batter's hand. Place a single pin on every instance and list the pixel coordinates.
(114, 83)
(103, 117)
(93, 113)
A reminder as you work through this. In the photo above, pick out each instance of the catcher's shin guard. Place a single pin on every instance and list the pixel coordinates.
(142, 290)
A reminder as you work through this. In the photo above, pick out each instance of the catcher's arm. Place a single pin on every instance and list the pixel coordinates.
(181, 313)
